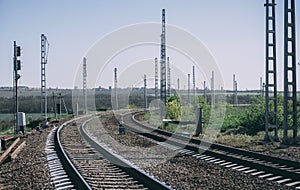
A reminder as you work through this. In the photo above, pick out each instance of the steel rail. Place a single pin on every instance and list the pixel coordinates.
(69, 167)
(138, 174)
(259, 161)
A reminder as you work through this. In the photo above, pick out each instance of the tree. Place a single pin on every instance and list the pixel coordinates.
(173, 107)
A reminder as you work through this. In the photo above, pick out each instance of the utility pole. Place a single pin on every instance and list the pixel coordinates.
(44, 57)
(59, 103)
(290, 80)
(189, 89)
(178, 86)
(205, 91)
(169, 77)
(156, 77)
(261, 88)
(84, 85)
(116, 88)
(212, 89)
(54, 104)
(235, 100)
(271, 73)
(145, 92)
(163, 68)
(17, 67)
(194, 85)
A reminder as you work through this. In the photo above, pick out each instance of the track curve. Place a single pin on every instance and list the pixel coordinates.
(257, 164)
(79, 162)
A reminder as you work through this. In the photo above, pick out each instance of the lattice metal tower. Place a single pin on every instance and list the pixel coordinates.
(205, 91)
(116, 89)
(213, 100)
(163, 66)
(84, 73)
(189, 88)
(290, 85)
(145, 92)
(194, 84)
(271, 73)
(156, 77)
(261, 88)
(178, 86)
(235, 99)
(44, 55)
(168, 77)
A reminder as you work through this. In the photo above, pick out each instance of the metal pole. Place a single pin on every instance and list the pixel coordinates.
(168, 78)
(16, 86)
(189, 87)
(194, 85)
(163, 68)
(156, 77)
(199, 122)
(145, 92)
(233, 91)
(205, 91)
(116, 89)
(178, 86)
(43, 75)
(59, 103)
(290, 81)
(271, 73)
(84, 85)
(212, 89)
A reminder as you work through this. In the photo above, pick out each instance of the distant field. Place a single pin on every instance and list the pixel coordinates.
(29, 116)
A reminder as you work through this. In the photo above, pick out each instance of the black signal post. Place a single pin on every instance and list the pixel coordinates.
(17, 67)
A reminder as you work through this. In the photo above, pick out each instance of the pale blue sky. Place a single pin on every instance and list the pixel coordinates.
(233, 30)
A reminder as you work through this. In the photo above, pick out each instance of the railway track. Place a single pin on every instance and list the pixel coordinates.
(271, 168)
(76, 161)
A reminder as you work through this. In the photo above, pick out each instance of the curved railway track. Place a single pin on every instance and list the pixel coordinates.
(76, 161)
(264, 166)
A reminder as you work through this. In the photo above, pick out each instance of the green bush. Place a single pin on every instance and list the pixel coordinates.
(173, 107)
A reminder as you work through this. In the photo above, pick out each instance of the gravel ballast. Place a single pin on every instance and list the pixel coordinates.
(30, 168)
(177, 170)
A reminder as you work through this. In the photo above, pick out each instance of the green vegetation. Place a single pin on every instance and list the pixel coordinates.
(7, 122)
(244, 123)
(244, 120)
(173, 107)
(6, 127)
(251, 120)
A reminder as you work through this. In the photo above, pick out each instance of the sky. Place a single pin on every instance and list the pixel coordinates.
(232, 30)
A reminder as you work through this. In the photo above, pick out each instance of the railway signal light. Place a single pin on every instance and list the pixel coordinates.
(18, 51)
(17, 54)
(18, 65)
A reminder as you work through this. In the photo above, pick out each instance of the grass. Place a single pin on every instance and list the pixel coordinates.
(239, 140)
(8, 119)
(8, 131)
